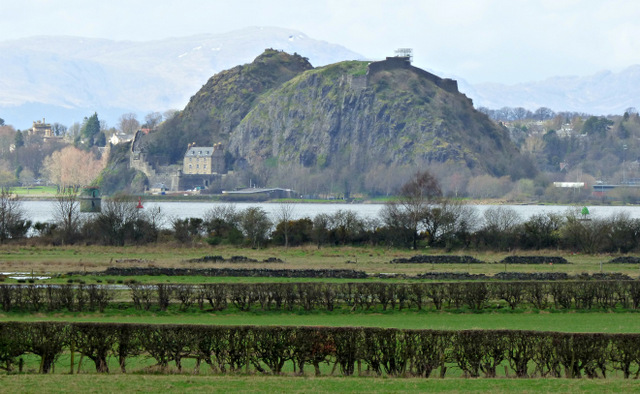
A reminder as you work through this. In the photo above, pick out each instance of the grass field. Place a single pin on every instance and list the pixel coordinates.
(36, 191)
(41, 260)
(60, 260)
(92, 383)
(565, 322)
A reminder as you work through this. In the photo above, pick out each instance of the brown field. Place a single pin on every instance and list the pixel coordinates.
(62, 259)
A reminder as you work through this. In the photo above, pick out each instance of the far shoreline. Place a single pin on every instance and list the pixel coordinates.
(218, 199)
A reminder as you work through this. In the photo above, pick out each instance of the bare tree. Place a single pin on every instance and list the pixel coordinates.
(397, 224)
(284, 214)
(501, 219)
(223, 223)
(152, 119)
(32, 156)
(7, 138)
(320, 231)
(7, 172)
(543, 113)
(155, 217)
(12, 218)
(73, 131)
(59, 129)
(416, 197)
(448, 221)
(128, 123)
(255, 225)
(26, 176)
(72, 167)
(115, 224)
(226, 213)
(170, 114)
(66, 213)
(486, 186)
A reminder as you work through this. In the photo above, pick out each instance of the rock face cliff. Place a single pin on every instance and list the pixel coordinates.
(358, 114)
(281, 116)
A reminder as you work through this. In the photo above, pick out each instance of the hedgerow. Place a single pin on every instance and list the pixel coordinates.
(437, 223)
(347, 350)
(327, 296)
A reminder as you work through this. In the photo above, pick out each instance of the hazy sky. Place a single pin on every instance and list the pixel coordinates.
(506, 41)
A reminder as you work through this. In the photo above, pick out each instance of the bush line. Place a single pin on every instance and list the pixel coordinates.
(540, 295)
(349, 350)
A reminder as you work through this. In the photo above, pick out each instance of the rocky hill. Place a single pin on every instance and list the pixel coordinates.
(282, 121)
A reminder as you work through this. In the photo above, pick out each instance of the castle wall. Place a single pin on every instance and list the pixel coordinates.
(395, 63)
(139, 162)
(182, 181)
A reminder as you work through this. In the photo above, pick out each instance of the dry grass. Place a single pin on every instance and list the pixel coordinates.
(46, 259)
(181, 383)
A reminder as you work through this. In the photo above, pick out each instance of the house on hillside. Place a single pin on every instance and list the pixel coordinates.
(203, 167)
(42, 129)
(119, 138)
(206, 160)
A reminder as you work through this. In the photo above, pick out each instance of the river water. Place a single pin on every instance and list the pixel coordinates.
(43, 211)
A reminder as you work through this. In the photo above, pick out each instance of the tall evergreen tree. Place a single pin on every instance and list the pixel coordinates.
(91, 129)
(100, 139)
(19, 139)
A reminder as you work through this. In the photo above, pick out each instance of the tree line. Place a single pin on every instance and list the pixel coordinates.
(328, 296)
(564, 146)
(346, 350)
(417, 219)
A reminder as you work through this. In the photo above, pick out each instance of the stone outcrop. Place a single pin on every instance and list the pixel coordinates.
(531, 276)
(625, 260)
(534, 260)
(277, 273)
(439, 259)
(233, 259)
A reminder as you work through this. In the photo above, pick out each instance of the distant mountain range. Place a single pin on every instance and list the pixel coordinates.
(603, 93)
(67, 78)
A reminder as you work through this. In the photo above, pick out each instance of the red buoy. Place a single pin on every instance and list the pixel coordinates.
(139, 206)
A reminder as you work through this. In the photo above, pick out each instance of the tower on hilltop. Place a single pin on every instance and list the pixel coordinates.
(405, 52)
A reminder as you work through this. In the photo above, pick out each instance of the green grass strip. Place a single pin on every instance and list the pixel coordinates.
(93, 383)
(561, 322)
